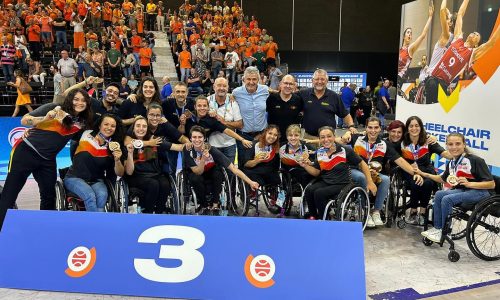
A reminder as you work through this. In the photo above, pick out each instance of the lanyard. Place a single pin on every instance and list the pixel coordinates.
(455, 163)
(414, 151)
(215, 105)
(297, 152)
(370, 151)
(106, 140)
(182, 111)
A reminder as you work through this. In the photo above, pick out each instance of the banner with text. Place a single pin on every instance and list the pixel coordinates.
(182, 256)
(448, 71)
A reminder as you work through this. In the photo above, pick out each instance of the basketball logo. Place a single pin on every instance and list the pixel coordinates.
(260, 270)
(80, 261)
(15, 135)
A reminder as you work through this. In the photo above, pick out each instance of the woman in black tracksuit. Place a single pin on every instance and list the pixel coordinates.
(35, 153)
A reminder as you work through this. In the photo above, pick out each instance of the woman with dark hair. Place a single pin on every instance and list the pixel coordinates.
(204, 163)
(143, 166)
(147, 92)
(331, 167)
(396, 131)
(211, 124)
(376, 152)
(417, 152)
(262, 160)
(468, 177)
(97, 157)
(35, 153)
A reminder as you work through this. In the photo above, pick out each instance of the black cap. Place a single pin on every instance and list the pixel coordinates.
(115, 84)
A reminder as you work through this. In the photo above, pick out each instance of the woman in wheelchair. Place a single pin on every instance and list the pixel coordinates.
(97, 156)
(376, 152)
(468, 177)
(331, 167)
(291, 152)
(204, 163)
(143, 167)
(417, 151)
(262, 162)
(211, 124)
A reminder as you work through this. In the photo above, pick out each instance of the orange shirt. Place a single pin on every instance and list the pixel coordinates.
(94, 9)
(185, 59)
(249, 51)
(82, 9)
(45, 21)
(271, 49)
(34, 33)
(145, 56)
(60, 4)
(136, 43)
(127, 7)
(253, 39)
(193, 37)
(107, 14)
(177, 27)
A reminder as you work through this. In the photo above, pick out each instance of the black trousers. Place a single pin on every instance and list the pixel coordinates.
(420, 195)
(156, 190)
(199, 184)
(317, 196)
(24, 162)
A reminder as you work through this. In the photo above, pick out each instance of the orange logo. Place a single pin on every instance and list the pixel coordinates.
(260, 270)
(81, 260)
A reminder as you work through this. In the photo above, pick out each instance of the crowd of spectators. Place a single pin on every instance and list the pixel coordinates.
(213, 40)
(76, 39)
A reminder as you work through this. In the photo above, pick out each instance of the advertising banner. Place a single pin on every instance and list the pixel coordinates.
(10, 131)
(448, 71)
(196, 257)
(305, 80)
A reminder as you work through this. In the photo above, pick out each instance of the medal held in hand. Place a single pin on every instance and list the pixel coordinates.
(138, 144)
(113, 146)
(452, 179)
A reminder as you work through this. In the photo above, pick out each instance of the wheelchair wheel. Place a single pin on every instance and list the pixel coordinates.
(458, 228)
(60, 196)
(453, 256)
(287, 186)
(303, 209)
(226, 194)
(483, 230)
(112, 205)
(173, 205)
(270, 196)
(239, 199)
(353, 204)
(121, 195)
(426, 241)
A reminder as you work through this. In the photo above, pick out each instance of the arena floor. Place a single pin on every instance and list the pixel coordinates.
(398, 266)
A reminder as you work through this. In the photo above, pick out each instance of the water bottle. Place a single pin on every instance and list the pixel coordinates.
(281, 199)
(222, 199)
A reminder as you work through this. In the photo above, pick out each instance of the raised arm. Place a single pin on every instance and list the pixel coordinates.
(445, 30)
(460, 17)
(481, 50)
(414, 46)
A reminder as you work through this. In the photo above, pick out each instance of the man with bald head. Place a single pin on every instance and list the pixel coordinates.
(228, 113)
(283, 108)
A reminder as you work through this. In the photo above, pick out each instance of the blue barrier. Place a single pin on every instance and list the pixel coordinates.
(182, 256)
(10, 131)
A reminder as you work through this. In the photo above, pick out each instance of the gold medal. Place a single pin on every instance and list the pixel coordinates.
(452, 180)
(113, 146)
(207, 146)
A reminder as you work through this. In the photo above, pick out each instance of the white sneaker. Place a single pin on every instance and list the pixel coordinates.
(369, 222)
(436, 236)
(376, 219)
(429, 232)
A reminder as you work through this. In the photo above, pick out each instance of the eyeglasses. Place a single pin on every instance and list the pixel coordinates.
(154, 116)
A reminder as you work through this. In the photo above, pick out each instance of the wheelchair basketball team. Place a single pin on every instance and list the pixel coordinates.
(318, 172)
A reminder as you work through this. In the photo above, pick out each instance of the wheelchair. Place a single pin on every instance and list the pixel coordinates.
(352, 205)
(398, 200)
(482, 228)
(129, 198)
(69, 201)
(188, 202)
(278, 198)
(292, 189)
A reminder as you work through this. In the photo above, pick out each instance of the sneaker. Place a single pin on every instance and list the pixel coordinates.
(412, 219)
(376, 219)
(436, 236)
(421, 220)
(429, 232)
(369, 222)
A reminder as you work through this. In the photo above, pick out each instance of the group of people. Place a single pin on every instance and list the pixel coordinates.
(218, 40)
(251, 133)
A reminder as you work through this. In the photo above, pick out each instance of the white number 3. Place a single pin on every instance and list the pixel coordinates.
(192, 260)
